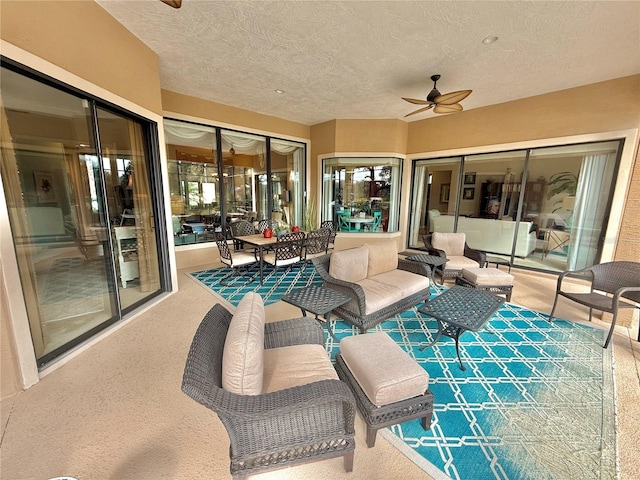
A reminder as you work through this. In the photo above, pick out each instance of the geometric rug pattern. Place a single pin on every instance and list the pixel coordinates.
(536, 400)
(276, 282)
(72, 287)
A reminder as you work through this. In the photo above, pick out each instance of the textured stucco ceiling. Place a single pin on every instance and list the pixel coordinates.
(356, 59)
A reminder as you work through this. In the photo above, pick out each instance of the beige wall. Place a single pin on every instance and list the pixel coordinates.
(602, 107)
(82, 38)
(224, 114)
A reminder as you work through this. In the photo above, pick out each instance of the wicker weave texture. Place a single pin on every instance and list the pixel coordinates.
(379, 417)
(354, 312)
(296, 425)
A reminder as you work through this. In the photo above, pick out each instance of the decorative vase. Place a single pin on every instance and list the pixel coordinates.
(267, 233)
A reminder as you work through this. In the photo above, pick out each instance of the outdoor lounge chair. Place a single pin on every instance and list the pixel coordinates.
(273, 387)
(453, 247)
(610, 283)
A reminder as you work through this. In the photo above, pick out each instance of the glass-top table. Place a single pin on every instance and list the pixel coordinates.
(460, 309)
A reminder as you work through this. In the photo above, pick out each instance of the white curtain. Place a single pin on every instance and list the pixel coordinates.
(190, 135)
(417, 209)
(592, 193)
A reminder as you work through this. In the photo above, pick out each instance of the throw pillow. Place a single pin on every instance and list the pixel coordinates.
(349, 265)
(383, 257)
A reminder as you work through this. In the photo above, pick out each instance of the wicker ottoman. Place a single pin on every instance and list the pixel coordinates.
(488, 279)
(389, 386)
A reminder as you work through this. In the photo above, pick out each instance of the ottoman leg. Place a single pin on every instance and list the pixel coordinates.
(371, 436)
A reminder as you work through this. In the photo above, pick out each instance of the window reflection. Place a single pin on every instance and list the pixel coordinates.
(361, 194)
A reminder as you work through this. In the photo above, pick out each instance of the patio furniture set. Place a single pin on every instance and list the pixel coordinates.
(277, 392)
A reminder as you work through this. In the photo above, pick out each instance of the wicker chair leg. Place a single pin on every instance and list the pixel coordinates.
(553, 309)
(348, 461)
(371, 436)
(613, 324)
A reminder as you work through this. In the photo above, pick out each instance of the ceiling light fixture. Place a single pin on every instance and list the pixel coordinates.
(279, 92)
(490, 39)
(232, 151)
(173, 3)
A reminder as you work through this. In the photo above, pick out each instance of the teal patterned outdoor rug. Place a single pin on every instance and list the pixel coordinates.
(536, 401)
(276, 283)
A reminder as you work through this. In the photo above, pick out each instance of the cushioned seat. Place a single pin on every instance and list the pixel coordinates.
(489, 279)
(390, 387)
(378, 283)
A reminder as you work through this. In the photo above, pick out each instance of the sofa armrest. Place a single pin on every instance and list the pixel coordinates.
(419, 268)
(294, 331)
(354, 291)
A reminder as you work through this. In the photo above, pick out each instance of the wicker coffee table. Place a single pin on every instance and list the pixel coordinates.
(317, 300)
(460, 309)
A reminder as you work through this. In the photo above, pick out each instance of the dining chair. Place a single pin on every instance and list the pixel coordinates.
(239, 261)
(239, 228)
(316, 244)
(264, 223)
(344, 221)
(377, 221)
(286, 251)
(333, 226)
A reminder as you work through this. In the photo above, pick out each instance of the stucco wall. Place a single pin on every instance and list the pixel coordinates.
(82, 38)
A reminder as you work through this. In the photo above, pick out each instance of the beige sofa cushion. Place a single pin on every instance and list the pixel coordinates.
(383, 257)
(378, 295)
(349, 265)
(385, 372)
(451, 243)
(243, 354)
(407, 282)
(296, 365)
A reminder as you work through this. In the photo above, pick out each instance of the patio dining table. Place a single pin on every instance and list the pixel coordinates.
(260, 243)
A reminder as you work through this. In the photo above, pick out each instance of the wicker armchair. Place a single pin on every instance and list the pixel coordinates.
(287, 427)
(451, 269)
(610, 283)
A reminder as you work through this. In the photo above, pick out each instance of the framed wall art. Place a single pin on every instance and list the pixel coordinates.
(468, 193)
(470, 178)
(45, 190)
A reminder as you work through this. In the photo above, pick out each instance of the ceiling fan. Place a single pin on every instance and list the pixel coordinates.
(173, 3)
(447, 103)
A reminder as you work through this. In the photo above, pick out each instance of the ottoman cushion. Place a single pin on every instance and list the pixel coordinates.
(385, 372)
(487, 276)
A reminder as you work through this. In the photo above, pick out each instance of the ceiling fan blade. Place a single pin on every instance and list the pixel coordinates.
(456, 107)
(419, 110)
(452, 97)
(173, 3)
(416, 101)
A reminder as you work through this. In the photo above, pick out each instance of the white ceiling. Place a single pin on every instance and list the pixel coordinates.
(356, 59)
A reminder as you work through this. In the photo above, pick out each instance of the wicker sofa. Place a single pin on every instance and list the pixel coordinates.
(379, 284)
(273, 387)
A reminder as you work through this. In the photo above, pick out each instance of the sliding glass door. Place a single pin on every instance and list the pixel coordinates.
(544, 208)
(68, 204)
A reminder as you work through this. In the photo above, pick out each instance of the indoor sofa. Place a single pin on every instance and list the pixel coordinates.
(378, 284)
(489, 235)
